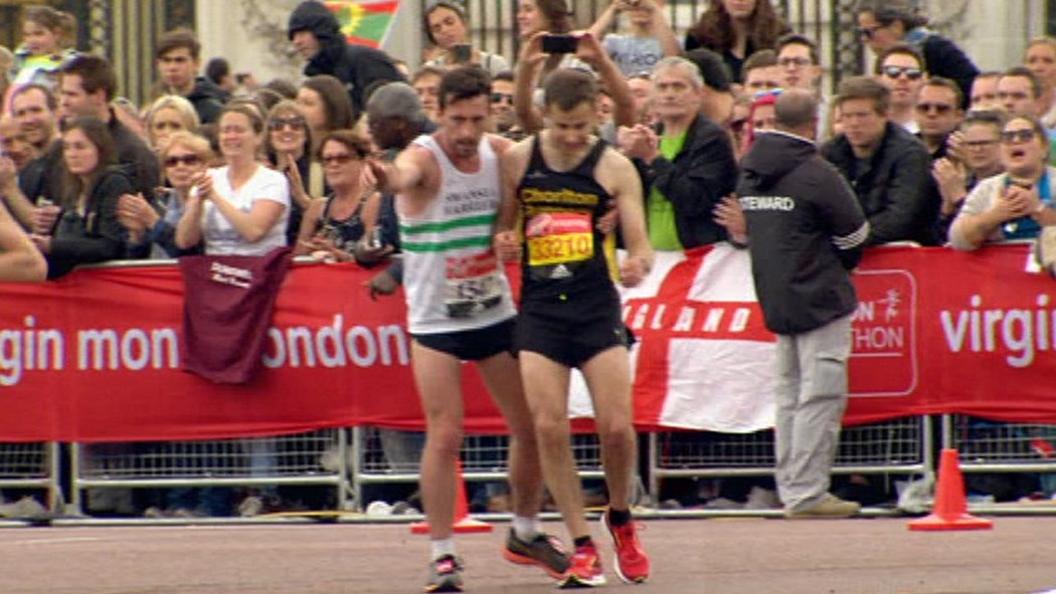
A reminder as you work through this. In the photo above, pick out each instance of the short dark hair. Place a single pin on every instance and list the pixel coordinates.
(283, 87)
(95, 72)
(567, 88)
(1024, 72)
(177, 38)
(506, 75)
(712, 67)
(217, 69)
(426, 71)
(941, 81)
(795, 108)
(864, 87)
(763, 58)
(49, 97)
(899, 49)
(352, 140)
(464, 82)
(987, 117)
(888, 11)
(797, 39)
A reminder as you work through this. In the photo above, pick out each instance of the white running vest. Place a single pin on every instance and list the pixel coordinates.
(452, 277)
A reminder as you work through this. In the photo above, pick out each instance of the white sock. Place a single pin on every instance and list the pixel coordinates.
(526, 528)
(442, 547)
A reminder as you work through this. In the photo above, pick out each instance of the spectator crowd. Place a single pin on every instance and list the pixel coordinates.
(934, 151)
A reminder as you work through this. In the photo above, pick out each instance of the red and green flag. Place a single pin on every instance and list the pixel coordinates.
(365, 22)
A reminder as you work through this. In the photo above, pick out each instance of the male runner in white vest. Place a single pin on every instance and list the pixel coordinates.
(460, 309)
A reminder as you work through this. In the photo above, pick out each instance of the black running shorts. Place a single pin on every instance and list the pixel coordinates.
(472, 345)
(570, 334)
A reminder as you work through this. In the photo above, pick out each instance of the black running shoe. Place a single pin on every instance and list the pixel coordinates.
(543, 550)
(445, 575)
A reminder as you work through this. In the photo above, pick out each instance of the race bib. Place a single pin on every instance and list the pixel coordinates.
(559, 238)
(472, 285)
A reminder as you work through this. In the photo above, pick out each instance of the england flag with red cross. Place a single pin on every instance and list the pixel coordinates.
(703, 357)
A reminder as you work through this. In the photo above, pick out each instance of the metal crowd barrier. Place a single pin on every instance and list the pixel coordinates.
(382, 456)
(374, 456)
(31, 466)
(315, 458)
(900, 446)
(993, 446)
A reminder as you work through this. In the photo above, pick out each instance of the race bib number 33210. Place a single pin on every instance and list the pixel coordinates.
(559, 238)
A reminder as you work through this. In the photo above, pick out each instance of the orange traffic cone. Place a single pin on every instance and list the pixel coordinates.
(463, 523)
(950, 511)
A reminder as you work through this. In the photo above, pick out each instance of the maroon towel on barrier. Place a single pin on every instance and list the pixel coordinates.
(227, 307)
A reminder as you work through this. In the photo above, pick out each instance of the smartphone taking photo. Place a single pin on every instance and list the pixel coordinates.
(560, 44)
(462, 53)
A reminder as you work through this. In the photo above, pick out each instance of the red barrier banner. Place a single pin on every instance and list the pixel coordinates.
(95, 356)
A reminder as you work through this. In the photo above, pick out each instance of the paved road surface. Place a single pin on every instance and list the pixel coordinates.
(711, 556)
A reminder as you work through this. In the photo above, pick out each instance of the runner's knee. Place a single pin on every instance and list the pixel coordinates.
(445, 438)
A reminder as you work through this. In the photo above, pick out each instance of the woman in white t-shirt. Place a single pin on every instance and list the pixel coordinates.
(243, 207)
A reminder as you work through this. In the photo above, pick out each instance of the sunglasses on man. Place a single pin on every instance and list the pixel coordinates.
(897, 71)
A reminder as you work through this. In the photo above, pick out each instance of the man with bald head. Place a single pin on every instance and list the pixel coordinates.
(805, 230)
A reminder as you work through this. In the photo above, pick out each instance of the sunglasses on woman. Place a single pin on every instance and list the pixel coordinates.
(189, 160)
(1023, 135)
(339, 159)
(293, 123)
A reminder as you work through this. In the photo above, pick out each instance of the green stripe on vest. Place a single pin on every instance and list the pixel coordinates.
(448, 225)
(442, 246)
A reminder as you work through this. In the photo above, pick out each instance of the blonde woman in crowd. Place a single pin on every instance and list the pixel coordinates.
(184, 157)
(167, 115)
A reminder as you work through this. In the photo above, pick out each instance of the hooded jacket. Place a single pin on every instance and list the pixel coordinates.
(806, 230)
(894, 186)
(357, 66)
(208, 99)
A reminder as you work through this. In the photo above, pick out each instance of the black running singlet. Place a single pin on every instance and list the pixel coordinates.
(564, 251)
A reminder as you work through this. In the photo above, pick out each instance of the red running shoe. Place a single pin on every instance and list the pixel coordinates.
(585, 570)
(632, 564)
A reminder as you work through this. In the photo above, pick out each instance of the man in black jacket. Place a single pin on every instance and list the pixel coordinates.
(316, 35)
(805, 231)
(178, 56)
(889, 168)
(87, 84)
(687, 167)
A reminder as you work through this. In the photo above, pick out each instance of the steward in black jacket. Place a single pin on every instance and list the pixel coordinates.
(358, 67)
(805, 232)
(702, 174)
(894, 186)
